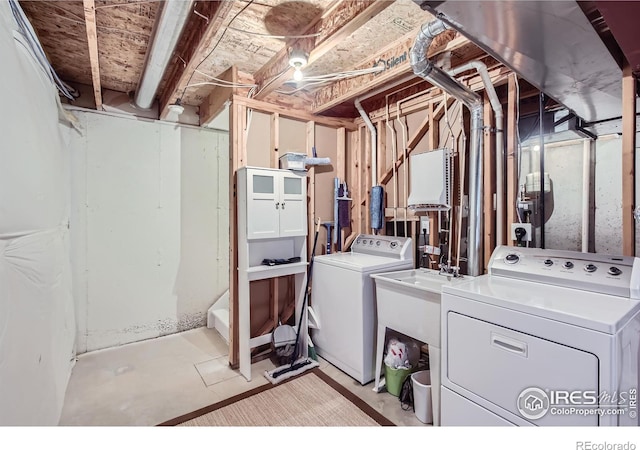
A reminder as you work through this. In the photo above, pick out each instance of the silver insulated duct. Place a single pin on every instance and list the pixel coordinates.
(437, 77)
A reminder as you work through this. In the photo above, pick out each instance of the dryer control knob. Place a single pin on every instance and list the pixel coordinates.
(393, 244)
(548, 262)
(511, 258)
(568, 265)
(613, 270)
(590, 267)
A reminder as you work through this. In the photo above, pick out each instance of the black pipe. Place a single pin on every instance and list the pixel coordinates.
(541, 170)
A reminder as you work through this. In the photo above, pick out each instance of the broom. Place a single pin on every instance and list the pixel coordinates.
(303, 364)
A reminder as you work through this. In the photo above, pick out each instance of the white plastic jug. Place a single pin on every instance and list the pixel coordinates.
(421, 382)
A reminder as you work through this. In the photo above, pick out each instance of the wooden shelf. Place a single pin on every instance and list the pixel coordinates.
(265, 272)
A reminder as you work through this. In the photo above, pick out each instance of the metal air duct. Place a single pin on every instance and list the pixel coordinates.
(424, 68)
(167, 31)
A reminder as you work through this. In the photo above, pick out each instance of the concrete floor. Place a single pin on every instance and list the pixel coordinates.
(149, 382)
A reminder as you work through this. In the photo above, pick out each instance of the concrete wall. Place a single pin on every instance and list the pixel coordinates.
(37, 328)
(149, 227)
(563, 163)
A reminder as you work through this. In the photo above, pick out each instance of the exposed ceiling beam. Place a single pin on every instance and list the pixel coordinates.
(92, 41)
(194, 48)
(215, 102)
(338, 22)
(396, 59)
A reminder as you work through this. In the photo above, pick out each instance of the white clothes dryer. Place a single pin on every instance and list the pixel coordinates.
(545, 338)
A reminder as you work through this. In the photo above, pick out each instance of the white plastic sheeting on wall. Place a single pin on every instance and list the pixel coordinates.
(37, 326)
(149, 227)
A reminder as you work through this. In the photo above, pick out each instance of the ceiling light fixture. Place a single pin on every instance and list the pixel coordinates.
(176, 107)
(298, 59)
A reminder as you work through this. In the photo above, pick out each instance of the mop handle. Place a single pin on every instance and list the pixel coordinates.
(306, 293)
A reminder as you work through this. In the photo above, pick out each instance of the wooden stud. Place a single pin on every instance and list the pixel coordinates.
(215, 102)
(198, 42)
(92, 40)
(489, 182)
(311, 188)
(414, 140)
(434, 127)
(235, 138)
(341, 162)
(381, 150)
(512, 149)
(367, 179)
(294, 113)
(628, 160)
(275, 140)
(334, 25)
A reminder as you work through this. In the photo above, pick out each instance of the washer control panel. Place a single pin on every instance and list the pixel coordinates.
(607, 274)
(388, 246)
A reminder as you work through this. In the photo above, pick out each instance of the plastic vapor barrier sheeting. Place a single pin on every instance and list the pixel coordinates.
(37, 325)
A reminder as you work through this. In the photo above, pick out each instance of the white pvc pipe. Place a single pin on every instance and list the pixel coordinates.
(374, 139)
(481, 68)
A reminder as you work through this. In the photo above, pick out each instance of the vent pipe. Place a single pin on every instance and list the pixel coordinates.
(424, 68)
(168, 28)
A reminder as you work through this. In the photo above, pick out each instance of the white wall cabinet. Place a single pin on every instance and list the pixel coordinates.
(275, 202)
(272, 224)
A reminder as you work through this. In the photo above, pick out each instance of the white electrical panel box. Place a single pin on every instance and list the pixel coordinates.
(430, 181)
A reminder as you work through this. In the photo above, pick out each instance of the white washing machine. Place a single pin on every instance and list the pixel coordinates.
(343, 301)
(545, 338)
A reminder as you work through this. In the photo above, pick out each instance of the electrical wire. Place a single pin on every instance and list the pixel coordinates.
(328, 78)
(214, 48)
(255, 33)
(30, 36)
(226, 82)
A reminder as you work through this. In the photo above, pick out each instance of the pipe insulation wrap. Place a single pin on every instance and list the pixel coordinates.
(375, 210)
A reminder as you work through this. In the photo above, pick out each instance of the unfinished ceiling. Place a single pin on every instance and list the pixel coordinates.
(255, 36)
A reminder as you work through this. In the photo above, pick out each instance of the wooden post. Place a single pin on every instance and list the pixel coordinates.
(381, 150)
(368, 177)
(311, 188)
(92, 41)
(489, 175)
(512, 149)
(235, 152)
(341, 170)
(628, 160)
(275, 140)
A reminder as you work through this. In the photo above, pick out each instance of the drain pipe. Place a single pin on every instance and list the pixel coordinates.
(481, 68)
(375, 220)
(426, 69)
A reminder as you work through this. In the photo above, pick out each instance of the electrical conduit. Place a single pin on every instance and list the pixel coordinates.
(424, 68)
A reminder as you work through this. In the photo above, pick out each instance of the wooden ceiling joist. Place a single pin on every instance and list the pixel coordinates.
(92, 41)
(338, 22)
(395, 58)
(215, 101)
(198, 42)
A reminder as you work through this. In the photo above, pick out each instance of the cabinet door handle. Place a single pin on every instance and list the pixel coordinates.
(278, 205)
(282, 205)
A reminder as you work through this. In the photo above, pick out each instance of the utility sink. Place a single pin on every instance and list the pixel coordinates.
(408, 301)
